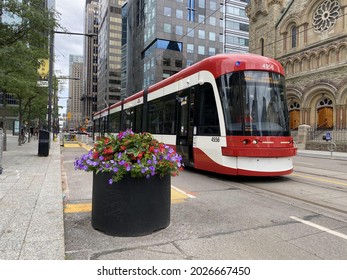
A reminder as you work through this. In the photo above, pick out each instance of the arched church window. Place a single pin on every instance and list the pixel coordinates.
(294, 37)
(325, 102)
(326, 15)
(262, 46)
(294, 106)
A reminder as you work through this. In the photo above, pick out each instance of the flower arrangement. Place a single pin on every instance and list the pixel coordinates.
(137, 154)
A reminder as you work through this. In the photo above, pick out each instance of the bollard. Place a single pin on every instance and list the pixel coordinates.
(1, 148)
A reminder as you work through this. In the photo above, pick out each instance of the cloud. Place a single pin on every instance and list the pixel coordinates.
(72, 18)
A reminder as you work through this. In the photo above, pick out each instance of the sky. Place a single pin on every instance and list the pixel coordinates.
(71, 17)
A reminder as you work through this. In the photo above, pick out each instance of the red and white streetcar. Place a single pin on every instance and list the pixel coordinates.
(226, 114)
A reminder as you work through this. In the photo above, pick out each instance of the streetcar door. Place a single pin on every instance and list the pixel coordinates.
(185, 122)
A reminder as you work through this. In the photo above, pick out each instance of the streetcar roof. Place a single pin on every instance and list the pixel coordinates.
(218, 65)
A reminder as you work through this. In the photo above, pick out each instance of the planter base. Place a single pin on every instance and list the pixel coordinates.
(131, 207)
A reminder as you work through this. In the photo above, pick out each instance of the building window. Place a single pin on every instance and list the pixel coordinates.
(167, 11)
(191, 10)
(326, 15)
(166, 61)
(179, 14)
(190, 32)
(201, 34)
(201, 50)
(212, 36)
(294, 37)
(178, 63)
(179, 30)
(211, 51)
(262, 46)
(190, 48)
(167, 27)
(213, 21)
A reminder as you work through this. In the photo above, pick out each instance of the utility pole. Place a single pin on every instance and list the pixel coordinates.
(51, 68)
(50, 79)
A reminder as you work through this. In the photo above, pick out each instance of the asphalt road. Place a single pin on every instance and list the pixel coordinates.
(296, 217)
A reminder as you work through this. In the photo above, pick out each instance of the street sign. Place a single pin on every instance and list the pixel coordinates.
(42, 83)
(328, 136)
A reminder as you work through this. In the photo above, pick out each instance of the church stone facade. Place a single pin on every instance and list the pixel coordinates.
(309, 38)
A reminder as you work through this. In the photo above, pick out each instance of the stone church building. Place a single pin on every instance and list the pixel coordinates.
(309, 38)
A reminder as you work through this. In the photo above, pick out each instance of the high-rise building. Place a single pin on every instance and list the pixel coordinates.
(236, 26)
(74, 106)
(109, 52)
(90, 86)
(164, 37)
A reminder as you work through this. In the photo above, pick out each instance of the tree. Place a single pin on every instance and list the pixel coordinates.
(26, 21)
(23, 41)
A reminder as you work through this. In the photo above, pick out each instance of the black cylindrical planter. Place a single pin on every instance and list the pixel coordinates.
(131, 207)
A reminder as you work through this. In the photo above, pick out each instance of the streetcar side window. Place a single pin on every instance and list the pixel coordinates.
(138, 119)
(161, 115)
(206, 110)
(129, 118)
(114, 122)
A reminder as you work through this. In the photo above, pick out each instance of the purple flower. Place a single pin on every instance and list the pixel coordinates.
(159, 158)
(110, 181)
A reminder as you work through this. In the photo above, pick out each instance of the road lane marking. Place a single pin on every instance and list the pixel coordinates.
(177, 196)
(183, 192)
(78, 208)
(319, 179)
(327, 230)
(71, 145)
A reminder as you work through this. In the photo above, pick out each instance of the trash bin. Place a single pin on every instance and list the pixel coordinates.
(43, 143)
(1, 148)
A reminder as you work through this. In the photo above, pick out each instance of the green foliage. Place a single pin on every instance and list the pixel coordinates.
(23, 41)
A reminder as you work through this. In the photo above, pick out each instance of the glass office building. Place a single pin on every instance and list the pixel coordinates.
(164, 37)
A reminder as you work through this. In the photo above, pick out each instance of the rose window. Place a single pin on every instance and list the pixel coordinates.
(326, 15)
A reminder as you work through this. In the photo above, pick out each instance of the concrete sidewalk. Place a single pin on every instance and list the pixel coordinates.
(323, 154)
(31, 204)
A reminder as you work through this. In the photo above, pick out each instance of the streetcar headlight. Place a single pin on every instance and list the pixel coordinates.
(255, 141)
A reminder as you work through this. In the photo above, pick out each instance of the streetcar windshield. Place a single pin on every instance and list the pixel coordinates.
(254, 103)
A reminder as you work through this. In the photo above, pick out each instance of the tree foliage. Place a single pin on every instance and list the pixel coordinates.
(24, 30)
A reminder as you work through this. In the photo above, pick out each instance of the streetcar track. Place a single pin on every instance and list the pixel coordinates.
(335, 188)
(308, 201)
(319, 175)
(245, 181)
